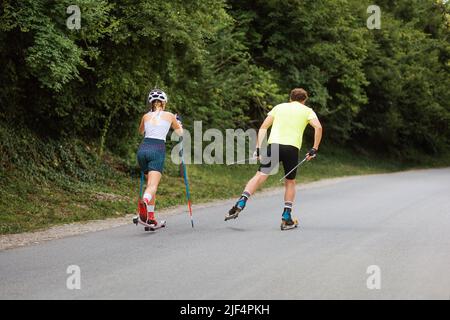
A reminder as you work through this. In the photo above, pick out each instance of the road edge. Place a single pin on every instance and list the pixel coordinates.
(11, 241)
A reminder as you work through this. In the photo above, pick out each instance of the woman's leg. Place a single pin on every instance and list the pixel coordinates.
(153, 179)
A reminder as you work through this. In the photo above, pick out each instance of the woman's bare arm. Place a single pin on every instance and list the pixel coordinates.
(176, 126)
(141, 126)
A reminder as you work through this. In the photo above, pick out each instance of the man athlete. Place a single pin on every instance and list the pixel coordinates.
(288, 121)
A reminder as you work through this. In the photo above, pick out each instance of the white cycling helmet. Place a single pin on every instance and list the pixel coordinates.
(157, 94)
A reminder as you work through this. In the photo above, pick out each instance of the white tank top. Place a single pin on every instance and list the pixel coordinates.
(158, 129)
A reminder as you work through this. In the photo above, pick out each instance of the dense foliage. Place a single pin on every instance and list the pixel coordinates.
(227, 63)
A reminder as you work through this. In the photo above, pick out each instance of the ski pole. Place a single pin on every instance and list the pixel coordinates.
(186, 183)
(141, 208)
(298, 165)
(245, 160)
(141, 184)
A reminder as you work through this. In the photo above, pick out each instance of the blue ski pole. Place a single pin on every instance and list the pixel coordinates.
(186, 182)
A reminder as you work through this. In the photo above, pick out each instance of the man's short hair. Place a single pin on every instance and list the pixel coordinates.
(299, 94)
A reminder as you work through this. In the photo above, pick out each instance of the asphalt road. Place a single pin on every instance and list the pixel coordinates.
(399, 222)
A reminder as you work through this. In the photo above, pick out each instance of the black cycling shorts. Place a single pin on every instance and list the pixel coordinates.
(288, 155)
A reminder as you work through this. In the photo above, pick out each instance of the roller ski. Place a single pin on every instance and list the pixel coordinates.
(288, 225)
(149, 225)
(233, 213)
(237, 208)
(287, 222)
(144, 219)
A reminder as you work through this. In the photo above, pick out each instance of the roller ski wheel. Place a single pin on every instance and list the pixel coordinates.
(154, 225)
(149, 225)
(289, 225)
(233, 213)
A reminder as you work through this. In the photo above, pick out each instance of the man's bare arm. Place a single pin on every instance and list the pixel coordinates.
(315, 123)
(263, 130)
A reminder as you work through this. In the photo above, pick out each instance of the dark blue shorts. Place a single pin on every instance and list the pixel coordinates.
(151, 155)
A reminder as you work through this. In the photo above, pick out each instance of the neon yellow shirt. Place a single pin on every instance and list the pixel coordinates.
(290, 120)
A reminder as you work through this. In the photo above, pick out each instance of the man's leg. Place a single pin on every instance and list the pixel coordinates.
(289, 196)
(252, 185)
(266, 167)
(289, 157)
(289, 190)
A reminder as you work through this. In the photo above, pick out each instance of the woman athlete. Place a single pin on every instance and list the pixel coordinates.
(151, 153)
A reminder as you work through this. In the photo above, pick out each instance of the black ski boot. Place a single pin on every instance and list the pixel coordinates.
(236, 209)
